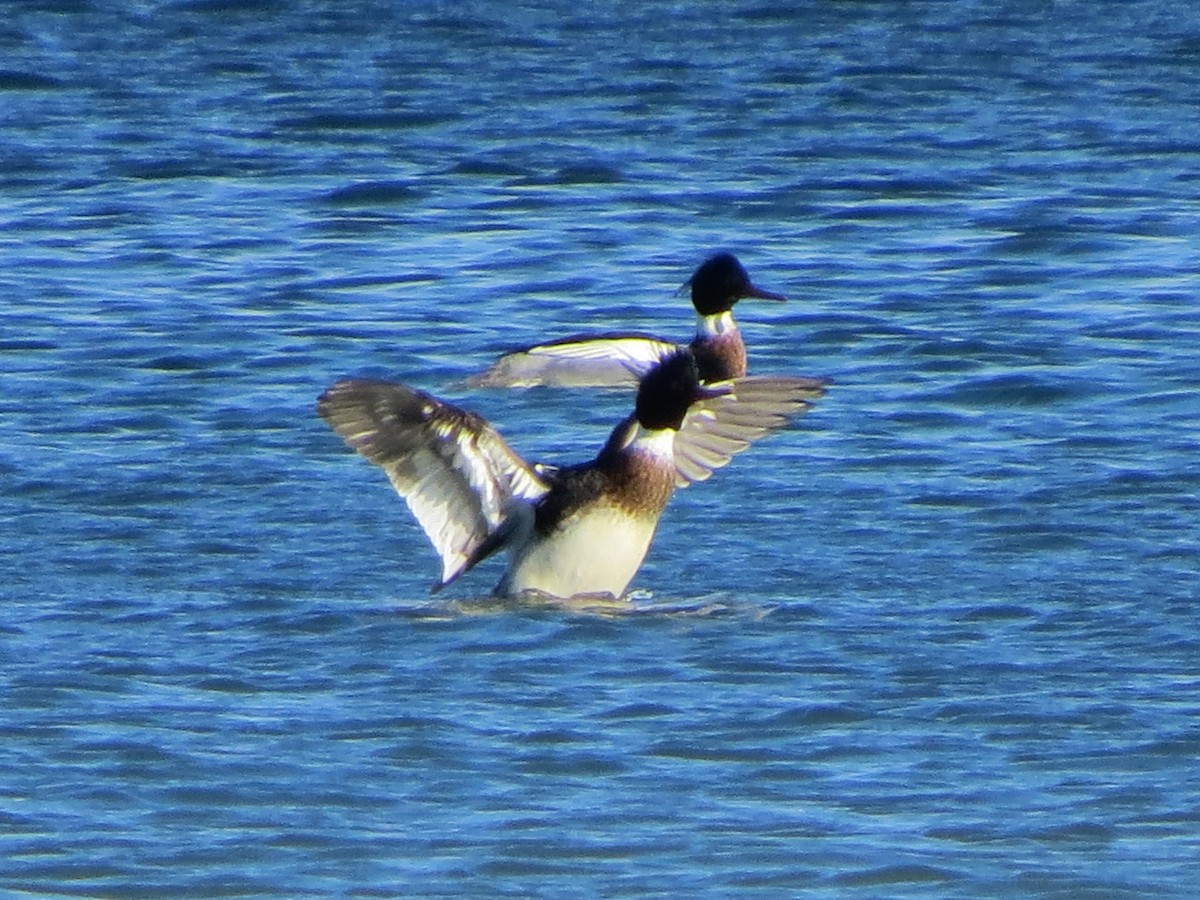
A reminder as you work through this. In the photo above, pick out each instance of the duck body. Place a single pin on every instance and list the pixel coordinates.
(592, 530)
(614, 359)
(577, 530)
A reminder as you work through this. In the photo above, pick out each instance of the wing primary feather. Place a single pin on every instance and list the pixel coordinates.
(718, 428)
(455, 472)
(607, 360)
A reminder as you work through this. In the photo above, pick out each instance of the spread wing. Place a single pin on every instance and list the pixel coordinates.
(606, 360)
(717, 428)
(457, 475)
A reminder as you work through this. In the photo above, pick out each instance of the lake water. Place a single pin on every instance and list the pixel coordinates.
(941, 639)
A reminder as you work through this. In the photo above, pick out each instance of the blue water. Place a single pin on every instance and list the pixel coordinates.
(939, 640)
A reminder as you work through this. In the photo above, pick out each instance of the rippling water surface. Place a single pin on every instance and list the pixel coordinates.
(940, 639)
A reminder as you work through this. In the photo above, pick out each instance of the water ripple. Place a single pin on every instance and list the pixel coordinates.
(937, 639)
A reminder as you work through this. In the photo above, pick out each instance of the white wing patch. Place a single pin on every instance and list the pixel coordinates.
(717, 429)
(456, 473)
(602, 361)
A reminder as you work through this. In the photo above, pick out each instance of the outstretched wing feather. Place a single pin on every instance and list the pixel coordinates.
(718, 428)
(609, 360)
(453, 470)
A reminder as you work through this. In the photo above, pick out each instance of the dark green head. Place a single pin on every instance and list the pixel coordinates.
(668, 390)
(722, 281)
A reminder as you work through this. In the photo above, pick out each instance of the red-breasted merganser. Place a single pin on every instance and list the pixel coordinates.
(576, 530)
(607, 360)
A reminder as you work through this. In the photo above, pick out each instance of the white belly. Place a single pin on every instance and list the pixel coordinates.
(595, 552)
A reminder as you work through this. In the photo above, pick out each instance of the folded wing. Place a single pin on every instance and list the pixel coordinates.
(455, 472)
(607, 360)
(717, 428)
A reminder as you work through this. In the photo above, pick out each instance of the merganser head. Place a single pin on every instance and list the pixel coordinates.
(667, 391)
(722, 281)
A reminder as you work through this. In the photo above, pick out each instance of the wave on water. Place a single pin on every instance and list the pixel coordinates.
(635, 604)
